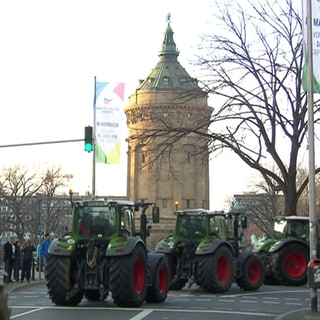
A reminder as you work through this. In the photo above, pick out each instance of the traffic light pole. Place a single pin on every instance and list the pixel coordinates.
(94, 169)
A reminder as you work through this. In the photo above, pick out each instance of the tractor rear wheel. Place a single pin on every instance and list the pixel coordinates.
(252, 274)
(158, 291)
(215, 271)
(58, 274)
(290, 264)
(128, 278)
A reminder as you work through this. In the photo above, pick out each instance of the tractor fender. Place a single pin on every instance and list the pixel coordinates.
(61, 247)
(123, 246)
(153, 259)
(166, 246)
(283, 242)
(209, 246)
(242, 258)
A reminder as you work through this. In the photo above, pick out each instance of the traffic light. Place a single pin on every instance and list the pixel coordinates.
(88, 140)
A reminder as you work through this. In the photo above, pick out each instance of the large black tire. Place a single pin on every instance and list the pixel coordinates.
(128, 278)
(252, 274)
(215, 271)
(290, 264)
(175, 282)
(158, 291)
(58, 274)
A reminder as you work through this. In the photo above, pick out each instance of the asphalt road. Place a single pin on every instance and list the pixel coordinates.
(31, 302)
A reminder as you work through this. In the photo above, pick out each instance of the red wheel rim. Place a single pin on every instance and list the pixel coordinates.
(163, 280)
(223, 269)
(139, 272)
(295, 265)
(254, 272)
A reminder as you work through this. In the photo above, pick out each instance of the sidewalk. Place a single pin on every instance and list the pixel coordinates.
(301, 314)
(36, 277)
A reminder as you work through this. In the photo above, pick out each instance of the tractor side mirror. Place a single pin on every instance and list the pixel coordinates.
(155, 214)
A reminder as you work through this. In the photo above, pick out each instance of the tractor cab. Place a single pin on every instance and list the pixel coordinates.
(292, 226)
(102, 219)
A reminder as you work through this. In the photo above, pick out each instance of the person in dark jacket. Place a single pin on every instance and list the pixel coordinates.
(17, 260)
(8, 258)
(27, 256)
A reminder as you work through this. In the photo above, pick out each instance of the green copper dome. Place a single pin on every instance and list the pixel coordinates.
(168, 73)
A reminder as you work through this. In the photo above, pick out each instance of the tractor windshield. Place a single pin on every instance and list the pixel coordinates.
(95, 221)
(294, 228)
(191, 226)
(218, 227)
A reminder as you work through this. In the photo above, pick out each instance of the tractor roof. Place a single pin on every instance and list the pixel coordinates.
(104, 203)
(198, 212)
(301, 218)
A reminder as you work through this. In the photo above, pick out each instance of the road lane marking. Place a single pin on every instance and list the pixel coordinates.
(25, 313)
(141, 315)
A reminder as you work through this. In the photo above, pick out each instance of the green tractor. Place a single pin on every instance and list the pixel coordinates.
(286, 253)
(205, 249)
(103, 253)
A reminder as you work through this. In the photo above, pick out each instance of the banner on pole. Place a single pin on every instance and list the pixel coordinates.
(315, 23)
(109, 98)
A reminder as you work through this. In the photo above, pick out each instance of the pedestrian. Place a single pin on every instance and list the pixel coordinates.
(44, 248)
(39, 267)
(9, 257)
(27, 256)
(17, 261)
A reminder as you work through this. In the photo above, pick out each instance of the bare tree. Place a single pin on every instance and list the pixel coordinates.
(17, 188)
(32, 201)
(252, 65)
(55, 204)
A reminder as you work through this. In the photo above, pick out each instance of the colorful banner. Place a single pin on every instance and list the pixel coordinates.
(315, 25)
(109, 98)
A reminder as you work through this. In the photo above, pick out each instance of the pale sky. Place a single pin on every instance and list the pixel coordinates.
(50, 53)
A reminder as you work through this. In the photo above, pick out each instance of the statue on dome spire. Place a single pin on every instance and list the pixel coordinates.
(168, 17)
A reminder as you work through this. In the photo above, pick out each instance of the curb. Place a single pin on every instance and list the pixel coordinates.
(16, 285)
(299, 314)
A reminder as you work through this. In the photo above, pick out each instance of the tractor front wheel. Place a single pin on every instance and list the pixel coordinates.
(158, 290)
(252, 274)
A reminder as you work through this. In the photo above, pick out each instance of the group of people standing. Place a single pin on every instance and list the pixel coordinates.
(17, 257)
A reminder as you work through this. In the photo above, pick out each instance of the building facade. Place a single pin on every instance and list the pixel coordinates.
(174, 176)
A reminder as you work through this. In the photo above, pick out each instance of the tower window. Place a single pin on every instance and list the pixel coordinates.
(188, 157)
(165, 81)
(164, 203)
